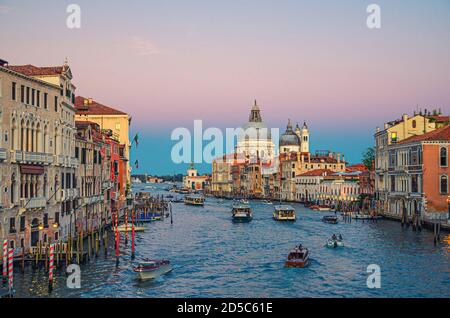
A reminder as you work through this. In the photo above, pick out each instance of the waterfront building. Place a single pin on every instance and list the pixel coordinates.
(394, 132)
(417, 176)
(37, 165)
(340, 187)
(93, 173)
(194, 181)
(108, 118)
(221, 177)
(308, 184)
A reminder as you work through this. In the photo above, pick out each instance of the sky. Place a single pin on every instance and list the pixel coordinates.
(168, 63)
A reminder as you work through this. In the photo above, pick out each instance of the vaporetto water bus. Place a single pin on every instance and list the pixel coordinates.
(242, 213)
(284, 213)
(194, 200)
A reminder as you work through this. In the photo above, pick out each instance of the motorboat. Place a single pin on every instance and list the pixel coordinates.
(298, 257)
(151, 269)
(332, 219)
(335, 242)
(196, 200)
(284, 213)
(242, 213)
(244, 201)
(129, 227)
(268, 202)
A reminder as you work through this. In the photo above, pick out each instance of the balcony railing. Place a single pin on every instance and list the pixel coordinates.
(33, 157)
(69, 194)
(107, 185)
(93, 199)
(2, 154)
(33, 203)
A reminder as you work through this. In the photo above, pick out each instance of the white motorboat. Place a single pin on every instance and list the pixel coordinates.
(152, 269)
(335, 242)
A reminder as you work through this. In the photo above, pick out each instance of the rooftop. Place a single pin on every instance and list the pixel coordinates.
(31, 70)
(440, 134)
(88, 106)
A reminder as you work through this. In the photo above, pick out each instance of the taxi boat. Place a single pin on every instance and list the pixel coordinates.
(194, 200)
(330, 219)
(242, 213)
(298, 257)
(284, 213)
(151, 269)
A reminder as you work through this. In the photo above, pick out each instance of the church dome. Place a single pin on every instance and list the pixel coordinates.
(289, 138)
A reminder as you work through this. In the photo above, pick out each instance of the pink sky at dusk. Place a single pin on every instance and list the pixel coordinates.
(170, 62)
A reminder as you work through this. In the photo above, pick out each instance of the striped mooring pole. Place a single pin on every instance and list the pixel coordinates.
(51, 265)
(10, 270)
(132, 234)
(5, 259)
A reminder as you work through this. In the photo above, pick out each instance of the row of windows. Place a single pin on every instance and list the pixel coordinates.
(32, 96)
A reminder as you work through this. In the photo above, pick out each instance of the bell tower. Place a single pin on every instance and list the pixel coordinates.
(304, 141)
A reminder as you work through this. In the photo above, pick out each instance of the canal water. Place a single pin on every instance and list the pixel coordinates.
(214, 257)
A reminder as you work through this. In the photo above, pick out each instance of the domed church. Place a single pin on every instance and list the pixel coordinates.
(255, 139)
(297, 141)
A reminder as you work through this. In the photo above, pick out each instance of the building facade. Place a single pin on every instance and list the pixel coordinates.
(37, 153)
(108, 118)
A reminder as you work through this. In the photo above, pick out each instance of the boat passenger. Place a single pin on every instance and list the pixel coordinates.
(340, 237)
(334, 237)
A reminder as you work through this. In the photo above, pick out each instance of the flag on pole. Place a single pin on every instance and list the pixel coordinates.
(136, 139)
(136, 163)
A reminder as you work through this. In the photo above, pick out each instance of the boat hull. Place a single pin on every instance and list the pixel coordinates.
(123, 228)
(242, 219)
(162, 270)
(284, 218)
(297, 263)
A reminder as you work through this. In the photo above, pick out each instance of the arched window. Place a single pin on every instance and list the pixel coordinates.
(443, 157)
(444, 184)
(414, 124)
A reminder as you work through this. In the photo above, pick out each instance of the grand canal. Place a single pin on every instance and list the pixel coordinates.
(213, 257)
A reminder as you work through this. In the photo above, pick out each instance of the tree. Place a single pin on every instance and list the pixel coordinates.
(369, 157)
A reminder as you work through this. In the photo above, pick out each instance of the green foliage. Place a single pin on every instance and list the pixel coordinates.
(368, 157)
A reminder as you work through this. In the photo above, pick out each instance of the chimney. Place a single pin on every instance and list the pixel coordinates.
(339, 157)
(386, 126)
(85, 102)
(90, 100)
(405, 117)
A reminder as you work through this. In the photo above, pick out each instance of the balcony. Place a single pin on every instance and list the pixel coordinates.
(73, 162)
(2, 154)
(33, 157)
(69, 194)
(33, 203)
(93, 199)
(107, 185)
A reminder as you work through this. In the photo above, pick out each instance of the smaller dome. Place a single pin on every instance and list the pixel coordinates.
(289, 138)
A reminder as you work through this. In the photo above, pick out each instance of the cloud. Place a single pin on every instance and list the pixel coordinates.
(143, 47)
(5, 9)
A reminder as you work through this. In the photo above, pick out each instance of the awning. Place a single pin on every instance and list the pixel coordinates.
(31, 169)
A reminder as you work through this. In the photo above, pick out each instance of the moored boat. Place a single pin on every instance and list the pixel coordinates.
(151, 269)
(194, 200)
(330, 219)
(298, 257)
(242, 213)
(284, 213)
(128, 228)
